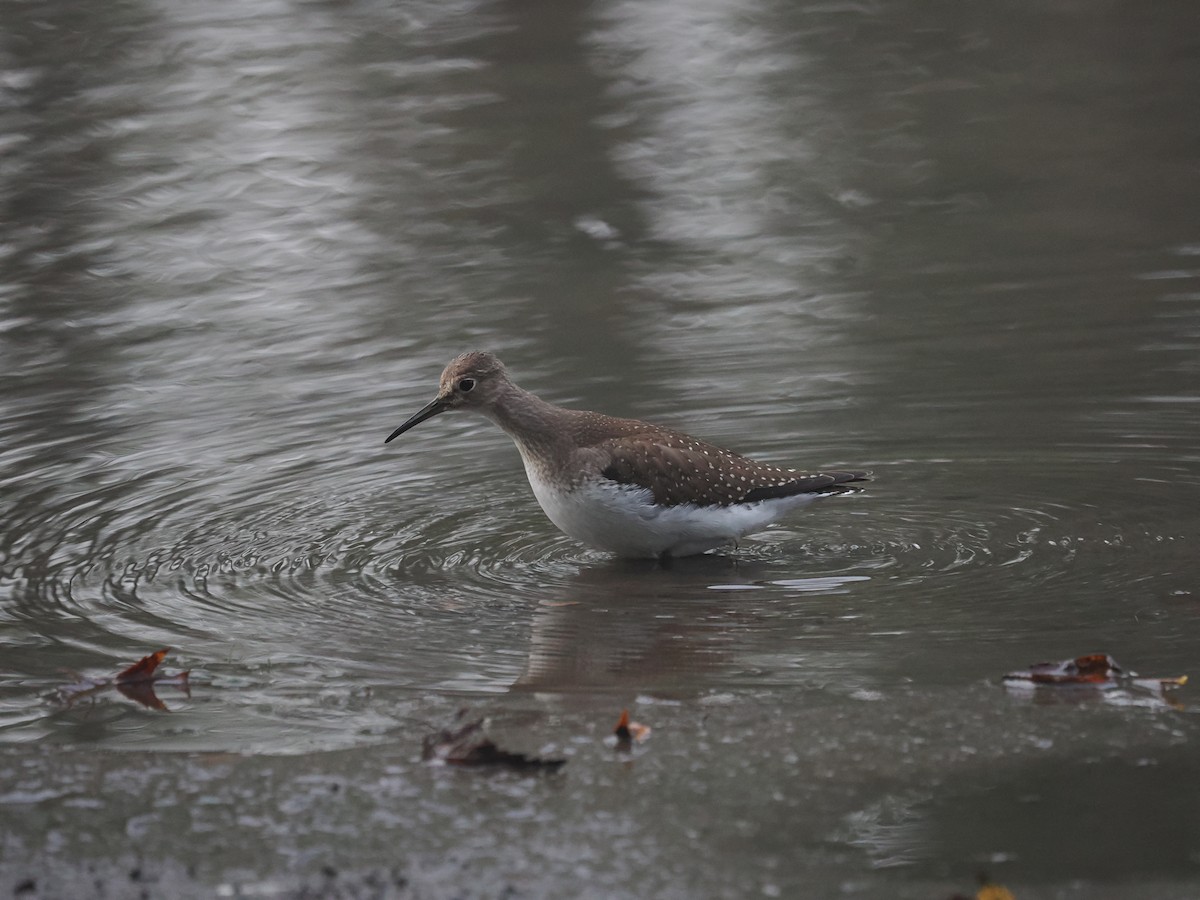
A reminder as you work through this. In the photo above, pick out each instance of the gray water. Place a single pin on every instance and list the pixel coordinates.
(957, 244)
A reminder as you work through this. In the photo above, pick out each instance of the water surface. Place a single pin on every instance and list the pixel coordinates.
(954, 246)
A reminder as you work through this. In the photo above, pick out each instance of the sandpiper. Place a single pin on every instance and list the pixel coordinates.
(621, 485)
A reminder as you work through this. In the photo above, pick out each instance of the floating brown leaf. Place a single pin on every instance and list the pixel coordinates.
(1092, 669)
(628, 732)
(136, 682)
(143, 669)
(1095, 668)
(470, 746)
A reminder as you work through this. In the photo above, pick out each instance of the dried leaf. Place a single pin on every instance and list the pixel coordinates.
(470, 746)
(1092, 669)
(136, 682)
(143, 669)
(628, 732)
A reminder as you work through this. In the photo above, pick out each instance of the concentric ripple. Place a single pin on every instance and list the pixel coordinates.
(404, 589)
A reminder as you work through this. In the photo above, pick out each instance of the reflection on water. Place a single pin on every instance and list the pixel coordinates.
(240, 240)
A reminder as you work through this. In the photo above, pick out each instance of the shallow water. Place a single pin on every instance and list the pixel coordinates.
(956, 247)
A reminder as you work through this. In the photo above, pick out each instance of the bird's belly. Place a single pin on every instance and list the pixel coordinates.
(624, 520)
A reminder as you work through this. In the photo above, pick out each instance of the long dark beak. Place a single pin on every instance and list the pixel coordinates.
(428, 411)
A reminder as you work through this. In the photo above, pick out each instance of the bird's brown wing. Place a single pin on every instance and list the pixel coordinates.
(678, 469)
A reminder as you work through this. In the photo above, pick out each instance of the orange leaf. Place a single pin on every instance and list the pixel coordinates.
(143, 669)
(136, 682)
(627, 732)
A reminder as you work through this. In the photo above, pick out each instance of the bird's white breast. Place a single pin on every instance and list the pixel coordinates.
(625, 520)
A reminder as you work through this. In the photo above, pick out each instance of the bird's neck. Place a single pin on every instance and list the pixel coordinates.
(534, 424)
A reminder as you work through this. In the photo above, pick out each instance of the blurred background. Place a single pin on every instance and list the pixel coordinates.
(953, 243)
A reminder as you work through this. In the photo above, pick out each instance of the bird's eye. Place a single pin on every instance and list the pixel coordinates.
(466, 385)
